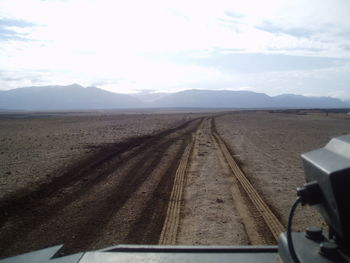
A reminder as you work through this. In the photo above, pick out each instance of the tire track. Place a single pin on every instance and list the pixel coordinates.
(155, 211)
(270, 219)
(255, 214)
(246, 213)
(78, 216)
(171, 224)
(94, 167)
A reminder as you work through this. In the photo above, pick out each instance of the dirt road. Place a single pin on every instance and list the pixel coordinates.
(118, 196)
(219, 205)
(268, 147)
(209, 215)
(180, 186)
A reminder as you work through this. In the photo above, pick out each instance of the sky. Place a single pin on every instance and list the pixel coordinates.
(272, 46)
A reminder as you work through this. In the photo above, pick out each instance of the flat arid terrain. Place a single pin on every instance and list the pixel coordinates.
(93, 180)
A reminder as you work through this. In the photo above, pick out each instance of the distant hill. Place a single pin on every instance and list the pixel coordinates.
(215, 99)
(298, 101)
(72, 97)
(149, 96)
(76, 97)
(245, 99)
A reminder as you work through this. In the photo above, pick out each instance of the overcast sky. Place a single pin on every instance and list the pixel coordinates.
(275, 47)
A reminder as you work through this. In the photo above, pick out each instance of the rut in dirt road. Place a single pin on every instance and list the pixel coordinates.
(218, 206)
(121, 196)
(208, 215)
(266, 217)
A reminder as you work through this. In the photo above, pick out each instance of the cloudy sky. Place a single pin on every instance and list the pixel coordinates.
(275, 47)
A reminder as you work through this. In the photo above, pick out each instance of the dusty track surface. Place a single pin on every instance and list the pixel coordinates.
(171, 224)
(36, 148)
(261, 208)
(208, 215)
(220, 206)
(175, 187)
(178, 186)
(119, 195)
(268, 147)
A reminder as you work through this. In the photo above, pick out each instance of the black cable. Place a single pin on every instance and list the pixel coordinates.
(289, 231)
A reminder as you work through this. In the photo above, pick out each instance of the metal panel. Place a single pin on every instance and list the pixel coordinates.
(193, 257)
(39, 256)
(68, 259)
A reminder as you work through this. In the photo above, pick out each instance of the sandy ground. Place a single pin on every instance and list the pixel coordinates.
(118, 195)
(209, 216)
(94, 180)
(36, 148)
(268, 147)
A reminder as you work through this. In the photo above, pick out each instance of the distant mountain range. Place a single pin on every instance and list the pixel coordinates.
(76, 97)
(72, 97)
(245, 99)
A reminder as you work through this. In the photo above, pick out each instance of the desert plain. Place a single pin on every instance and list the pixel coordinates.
(90, 180)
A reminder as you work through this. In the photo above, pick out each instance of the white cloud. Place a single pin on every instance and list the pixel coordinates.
(131, 45)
